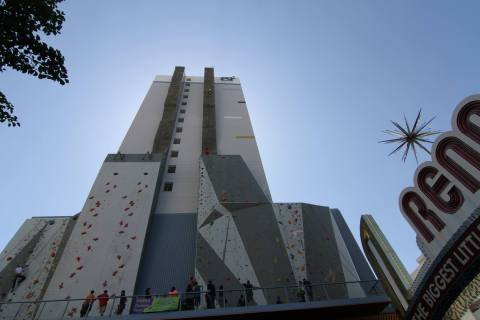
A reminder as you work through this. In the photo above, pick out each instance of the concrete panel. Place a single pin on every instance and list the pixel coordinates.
(361, 265)
(232, 179)
(169, 255)
(262, 239)
(229, 101)
(106, 244)
(140, 136)
(321, 252)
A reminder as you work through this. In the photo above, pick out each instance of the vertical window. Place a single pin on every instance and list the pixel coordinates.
(185, 96)
(174, 154)
(187, 90)
(182, 110)
(179, 129)
(176, 141)
(181, 119)
(184, 103)
(172, 169)
(168, 186)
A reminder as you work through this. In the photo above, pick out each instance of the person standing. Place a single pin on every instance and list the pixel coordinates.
(211, 295)
(122, 303)
(308, 288)
(221, 297)
(249, 292)
(102, 302)
(87, 303)
(300, 292)
(196, 294)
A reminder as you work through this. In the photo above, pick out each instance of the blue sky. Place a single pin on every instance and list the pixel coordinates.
(321, 79)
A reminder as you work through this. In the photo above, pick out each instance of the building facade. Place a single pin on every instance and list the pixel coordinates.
(185, 195)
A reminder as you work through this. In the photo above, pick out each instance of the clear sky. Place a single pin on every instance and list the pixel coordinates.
(321, 79)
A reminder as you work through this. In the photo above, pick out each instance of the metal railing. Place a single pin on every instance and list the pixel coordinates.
(231, 298)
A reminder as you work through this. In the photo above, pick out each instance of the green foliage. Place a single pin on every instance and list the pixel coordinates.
(21, 48)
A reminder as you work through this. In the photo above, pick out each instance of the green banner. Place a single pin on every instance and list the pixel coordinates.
(160, 304)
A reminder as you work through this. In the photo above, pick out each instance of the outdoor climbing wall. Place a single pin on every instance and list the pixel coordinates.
(39, 266)
(105, 247)
(290, 223)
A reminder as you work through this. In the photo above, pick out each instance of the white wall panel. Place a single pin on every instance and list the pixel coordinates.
(106, 244)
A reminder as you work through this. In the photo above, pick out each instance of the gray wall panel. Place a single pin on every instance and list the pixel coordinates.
(169, 253)
(321, 252)
(361, 265)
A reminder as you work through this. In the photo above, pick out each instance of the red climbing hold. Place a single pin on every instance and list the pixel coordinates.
(104, 284)
(83, 233)
(60, 286)
(126, 225)
(121, 222)
(78, 259)
(97, 204)
(85, 223)
(131, 203)
(133, 238)
(93, 209)
(52, 254)
(89, 248)
(9, 258)
(114, 273)
(72, 274)
(89, 226)
(126, 209)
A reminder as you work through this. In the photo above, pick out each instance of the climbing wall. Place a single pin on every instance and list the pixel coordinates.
(105, 247)
(290, 223)
(39, 264)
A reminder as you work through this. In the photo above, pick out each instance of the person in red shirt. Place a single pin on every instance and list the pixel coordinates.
(102, 302)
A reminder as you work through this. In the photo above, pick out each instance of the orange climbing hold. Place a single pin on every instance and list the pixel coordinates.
(60, 286)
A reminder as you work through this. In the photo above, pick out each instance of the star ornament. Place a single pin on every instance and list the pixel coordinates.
(410, 137)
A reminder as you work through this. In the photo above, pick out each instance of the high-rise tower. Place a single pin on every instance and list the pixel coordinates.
(185, 195)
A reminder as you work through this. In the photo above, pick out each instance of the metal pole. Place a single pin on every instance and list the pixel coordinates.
(111, 309)
(18, 311)
(180, 302)
(65, 310)
(224, 300)
(245, 296)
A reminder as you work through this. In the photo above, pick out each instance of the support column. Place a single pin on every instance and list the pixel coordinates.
(209, 135)
(164, 133)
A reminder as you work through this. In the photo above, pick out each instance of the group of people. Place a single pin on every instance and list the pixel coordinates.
(102, 303)
(304, 286)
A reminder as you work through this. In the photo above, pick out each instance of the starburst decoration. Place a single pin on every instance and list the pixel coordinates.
(409, 137)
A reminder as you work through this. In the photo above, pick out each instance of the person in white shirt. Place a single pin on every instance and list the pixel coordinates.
(19, 274)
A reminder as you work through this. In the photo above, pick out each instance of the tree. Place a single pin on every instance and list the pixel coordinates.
(21, 48)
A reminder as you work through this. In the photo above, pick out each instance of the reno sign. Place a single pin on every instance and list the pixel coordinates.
(446, 189)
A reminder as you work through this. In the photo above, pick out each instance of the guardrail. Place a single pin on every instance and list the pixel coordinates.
(243, 297)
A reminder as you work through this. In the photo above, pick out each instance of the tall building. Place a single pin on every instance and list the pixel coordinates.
(185, 195)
